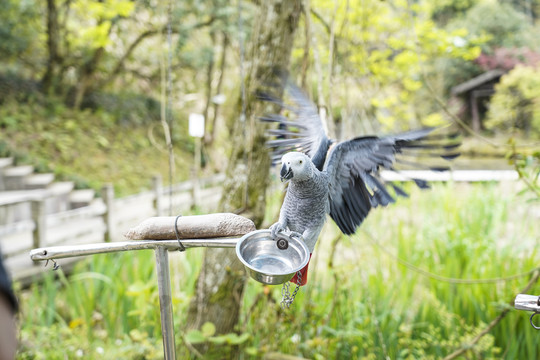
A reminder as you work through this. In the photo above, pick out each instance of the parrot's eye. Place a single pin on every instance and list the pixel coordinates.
(300, 162)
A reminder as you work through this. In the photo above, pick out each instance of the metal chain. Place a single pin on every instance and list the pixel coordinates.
(286, 297)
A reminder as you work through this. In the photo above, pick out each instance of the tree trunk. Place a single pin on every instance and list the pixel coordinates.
(87, 77)
(209, 77)
(211, 133)
(221, 281)
(53, 38)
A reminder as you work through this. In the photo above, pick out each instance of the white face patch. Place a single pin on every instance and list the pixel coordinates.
(298, 163)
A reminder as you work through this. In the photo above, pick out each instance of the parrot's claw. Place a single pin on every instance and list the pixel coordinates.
(276, 229)
(296, 234)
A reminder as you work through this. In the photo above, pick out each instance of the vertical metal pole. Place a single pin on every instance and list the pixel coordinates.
(165, 302)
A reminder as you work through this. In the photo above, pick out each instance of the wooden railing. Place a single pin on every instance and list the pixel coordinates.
(106, 218)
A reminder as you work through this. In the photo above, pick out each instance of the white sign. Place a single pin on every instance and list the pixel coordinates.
(219, 99)
(196, 125)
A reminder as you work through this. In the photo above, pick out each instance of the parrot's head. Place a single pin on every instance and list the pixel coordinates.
(295, 166)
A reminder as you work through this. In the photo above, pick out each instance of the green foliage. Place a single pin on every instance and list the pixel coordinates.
(207, 334)
(493, 25)
(516, 102)
(93, 310)
(443, 11)
(108, 308)
(126, 107)
(18, 26)
(528, 167)
(526, 162)
(389, 47)
(62, 140)
(94, 45)
(500, 25)
(89, 25)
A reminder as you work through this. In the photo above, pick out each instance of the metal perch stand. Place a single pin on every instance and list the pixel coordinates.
(208, 226)
(528, 303)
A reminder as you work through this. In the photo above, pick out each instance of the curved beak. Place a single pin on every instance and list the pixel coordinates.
(286, 173)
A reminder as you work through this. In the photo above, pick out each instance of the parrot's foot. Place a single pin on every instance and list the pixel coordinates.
(276, 229)
(296, 235)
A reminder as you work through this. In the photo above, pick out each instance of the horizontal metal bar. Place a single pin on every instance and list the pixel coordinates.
(527, 302)
(67, 251)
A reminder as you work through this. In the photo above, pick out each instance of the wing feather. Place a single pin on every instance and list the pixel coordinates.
(304, 132)
(353, 171)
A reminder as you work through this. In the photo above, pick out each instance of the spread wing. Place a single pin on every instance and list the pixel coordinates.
(303, 132)
(353, 171)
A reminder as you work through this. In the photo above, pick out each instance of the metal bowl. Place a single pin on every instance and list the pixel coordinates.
(267, 263)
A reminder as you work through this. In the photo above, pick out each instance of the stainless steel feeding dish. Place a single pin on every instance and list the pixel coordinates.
(266, 262)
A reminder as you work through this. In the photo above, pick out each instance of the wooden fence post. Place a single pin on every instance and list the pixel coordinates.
(39, 215)
(157, 185)
(107, 193)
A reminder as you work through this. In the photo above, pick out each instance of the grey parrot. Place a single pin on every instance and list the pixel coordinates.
(339, 178)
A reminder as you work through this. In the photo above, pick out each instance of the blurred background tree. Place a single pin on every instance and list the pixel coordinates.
(516, 102)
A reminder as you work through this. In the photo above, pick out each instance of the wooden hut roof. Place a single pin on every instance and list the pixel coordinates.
(477, 81)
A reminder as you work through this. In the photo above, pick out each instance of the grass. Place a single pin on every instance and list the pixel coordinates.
(369, 305)
(55, 138)
(108, 308)
(360, 302)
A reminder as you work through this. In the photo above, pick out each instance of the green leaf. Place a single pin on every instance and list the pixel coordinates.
(137, 335)
(230, 338)
(234, 339)
(208, 329)
(137, 288)
(218, 340)
(195, 337)
(253, 351)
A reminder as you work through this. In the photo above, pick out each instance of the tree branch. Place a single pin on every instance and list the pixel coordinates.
(120, 65)
(54, 60)
(467, 346)
(323, 22)
(307, 29)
